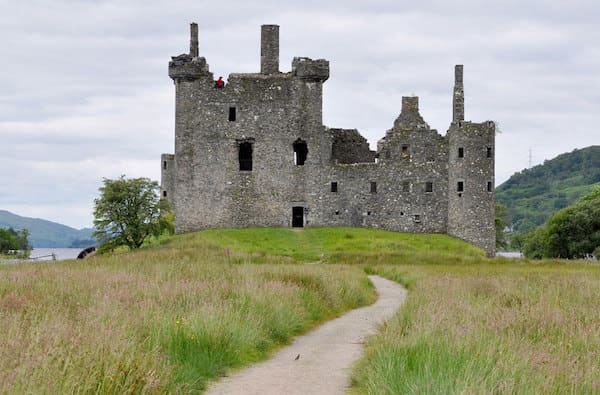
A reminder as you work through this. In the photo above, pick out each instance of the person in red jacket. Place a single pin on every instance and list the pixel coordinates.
(219, 83)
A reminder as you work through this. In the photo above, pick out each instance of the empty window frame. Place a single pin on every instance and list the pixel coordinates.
(488, 152)
(373, 187)
(428, 187)
(461, 152)
(300, 152)
(232, 114)
(405, 151)
(334, 186)
(164, 193)
(490, 187)
(417, 218)
(164, 165)
(460, 186)
(245, 156)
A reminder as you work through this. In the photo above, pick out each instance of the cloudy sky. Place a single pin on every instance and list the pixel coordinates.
(84, 91)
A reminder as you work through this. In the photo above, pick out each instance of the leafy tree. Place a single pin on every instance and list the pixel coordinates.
(127, 212)
(502, 219)
(12, 241)
(573, 232)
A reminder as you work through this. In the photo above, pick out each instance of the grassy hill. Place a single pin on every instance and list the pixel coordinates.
(184, 310)
(533, 195)
(45, 233)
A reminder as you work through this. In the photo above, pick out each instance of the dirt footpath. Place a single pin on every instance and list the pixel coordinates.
(325, 355)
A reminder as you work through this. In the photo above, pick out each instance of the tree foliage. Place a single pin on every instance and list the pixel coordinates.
(13, 241)
(128, 211)
(573, 232)
(501, 220)
(534, 195)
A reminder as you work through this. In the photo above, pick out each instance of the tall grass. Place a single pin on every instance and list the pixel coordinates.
(165, 319)
(506, 327)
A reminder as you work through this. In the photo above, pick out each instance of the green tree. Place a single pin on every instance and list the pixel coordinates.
(127, 212)
(501, 220)
(14, 241)
(573, 232)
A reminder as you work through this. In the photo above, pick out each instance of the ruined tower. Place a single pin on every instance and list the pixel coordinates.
(256, 153)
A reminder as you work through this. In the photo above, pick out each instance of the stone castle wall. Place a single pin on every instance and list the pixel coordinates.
(255, 153)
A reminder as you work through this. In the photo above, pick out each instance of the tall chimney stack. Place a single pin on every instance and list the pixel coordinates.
(194, 40)
(269, 49)
(458, 99)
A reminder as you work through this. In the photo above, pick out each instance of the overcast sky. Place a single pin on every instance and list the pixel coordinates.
(84, 90)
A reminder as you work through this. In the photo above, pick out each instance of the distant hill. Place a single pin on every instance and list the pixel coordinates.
(46, 233)
(533, 195)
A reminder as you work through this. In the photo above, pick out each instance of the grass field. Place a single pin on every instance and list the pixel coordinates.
(496, 327)
(183, 311)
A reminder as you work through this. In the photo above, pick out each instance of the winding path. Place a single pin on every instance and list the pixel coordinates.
(325, 355)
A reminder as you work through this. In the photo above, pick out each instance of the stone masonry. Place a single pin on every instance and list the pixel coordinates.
(256, 153)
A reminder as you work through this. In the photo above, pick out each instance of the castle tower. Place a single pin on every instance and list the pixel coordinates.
(471, 176)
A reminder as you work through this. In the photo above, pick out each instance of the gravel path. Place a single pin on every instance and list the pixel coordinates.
(325, 355)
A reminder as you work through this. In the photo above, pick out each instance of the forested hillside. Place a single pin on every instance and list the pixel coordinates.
(533, 195)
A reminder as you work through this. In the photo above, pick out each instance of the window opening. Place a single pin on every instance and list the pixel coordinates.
(461, 152)
(489, 186)
(334, 186)
(489, 152)
(300, 152)
(164, 165)
(368, 213)
(417, 218)
(298, 217)
(245, 156)
(164, 193)
(460, 186)
(337, 213)
(373, 187)
(405, 186)
(232, 114)
(429, 186)
(405, 153)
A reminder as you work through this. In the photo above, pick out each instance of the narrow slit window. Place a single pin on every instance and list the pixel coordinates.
(164, 193)
(460, 186)
(245, 156)
(164, 165)
(373, 187)
(334, 186)
(232, 114)
(488, 152)
(489, 186)
(300, 152)
(461, 152)
(428, 187)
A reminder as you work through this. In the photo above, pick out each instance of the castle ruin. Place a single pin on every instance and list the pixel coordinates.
(255, 153)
